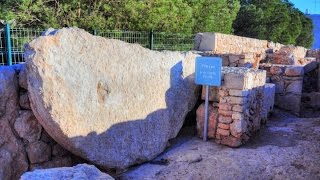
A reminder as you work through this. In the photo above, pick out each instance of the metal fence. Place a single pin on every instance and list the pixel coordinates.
(12, 41)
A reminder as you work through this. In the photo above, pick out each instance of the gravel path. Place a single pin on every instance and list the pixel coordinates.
(286, 148)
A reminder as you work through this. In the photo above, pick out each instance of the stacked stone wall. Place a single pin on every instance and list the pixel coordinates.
(276, 58)
(236, 108)
(24, 144)
(250, 51)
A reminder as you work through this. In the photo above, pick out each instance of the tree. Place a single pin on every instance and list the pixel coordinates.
(274, 20)
(214, 15)
(162, 15)
(305, 37)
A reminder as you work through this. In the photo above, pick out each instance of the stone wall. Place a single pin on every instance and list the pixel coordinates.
(276, 58)
(236, 60)
(240, 51)
(236, 108)
(314, 53)
(24, 144)
(288, 81)
(229, 44)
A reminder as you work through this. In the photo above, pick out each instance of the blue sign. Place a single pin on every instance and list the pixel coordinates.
(208, 71)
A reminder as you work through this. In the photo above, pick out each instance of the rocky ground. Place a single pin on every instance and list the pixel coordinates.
(286, 148)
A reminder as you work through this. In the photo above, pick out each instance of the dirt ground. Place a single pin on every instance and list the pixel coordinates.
(286, 148)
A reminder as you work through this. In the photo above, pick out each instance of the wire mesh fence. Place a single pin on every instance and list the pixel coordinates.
(19, 37)
(2, 48)
(172, 41)
(138, 37)
(151, 40)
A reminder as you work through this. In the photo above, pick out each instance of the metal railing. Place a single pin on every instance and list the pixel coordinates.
(12, 41)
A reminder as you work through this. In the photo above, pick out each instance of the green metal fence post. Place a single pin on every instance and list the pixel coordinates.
(151, 40)
(8, 44)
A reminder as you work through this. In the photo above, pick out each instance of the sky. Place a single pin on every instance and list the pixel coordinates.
(312, 5)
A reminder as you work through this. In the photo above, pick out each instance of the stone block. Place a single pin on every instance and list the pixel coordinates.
(238, 100)
(234, 58)
(208, 42)
(225, 113)
(310, 67)
(225, 106)
(234, 81)
(294, 87)
(24, 101)
(213, 93)
(231, 141)
(268, 101)
(197, 41)
(27, 126)
(225, 119)
(223, 93)
(279, 83)
(237, 116)
(238, 127)
(312, 100)
(38, 152)
(289, 55)
(223, 126)
(238, 108)
(276, 70)
(238, 93)
(290, 102)
(80, 171)
(212, 120)
(241, 78)
(294, 71)
(223, 132)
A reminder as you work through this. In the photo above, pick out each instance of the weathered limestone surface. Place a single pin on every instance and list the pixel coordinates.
(80, 171)
(237, 109)
(113, 103)
(23, 142)
(288, 80)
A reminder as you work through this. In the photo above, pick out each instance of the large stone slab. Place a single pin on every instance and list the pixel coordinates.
(110, 102)
(80, 171)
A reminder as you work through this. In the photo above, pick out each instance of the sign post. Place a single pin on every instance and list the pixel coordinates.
(208, 73)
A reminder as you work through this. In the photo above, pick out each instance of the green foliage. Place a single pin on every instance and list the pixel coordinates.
(183, 16)
(214, 15)
(275, 20)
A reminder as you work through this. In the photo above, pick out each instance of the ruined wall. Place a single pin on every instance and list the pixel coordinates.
(236, 108)
(24, 144)
(250, 51)
(289, 81)
(275, 58)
